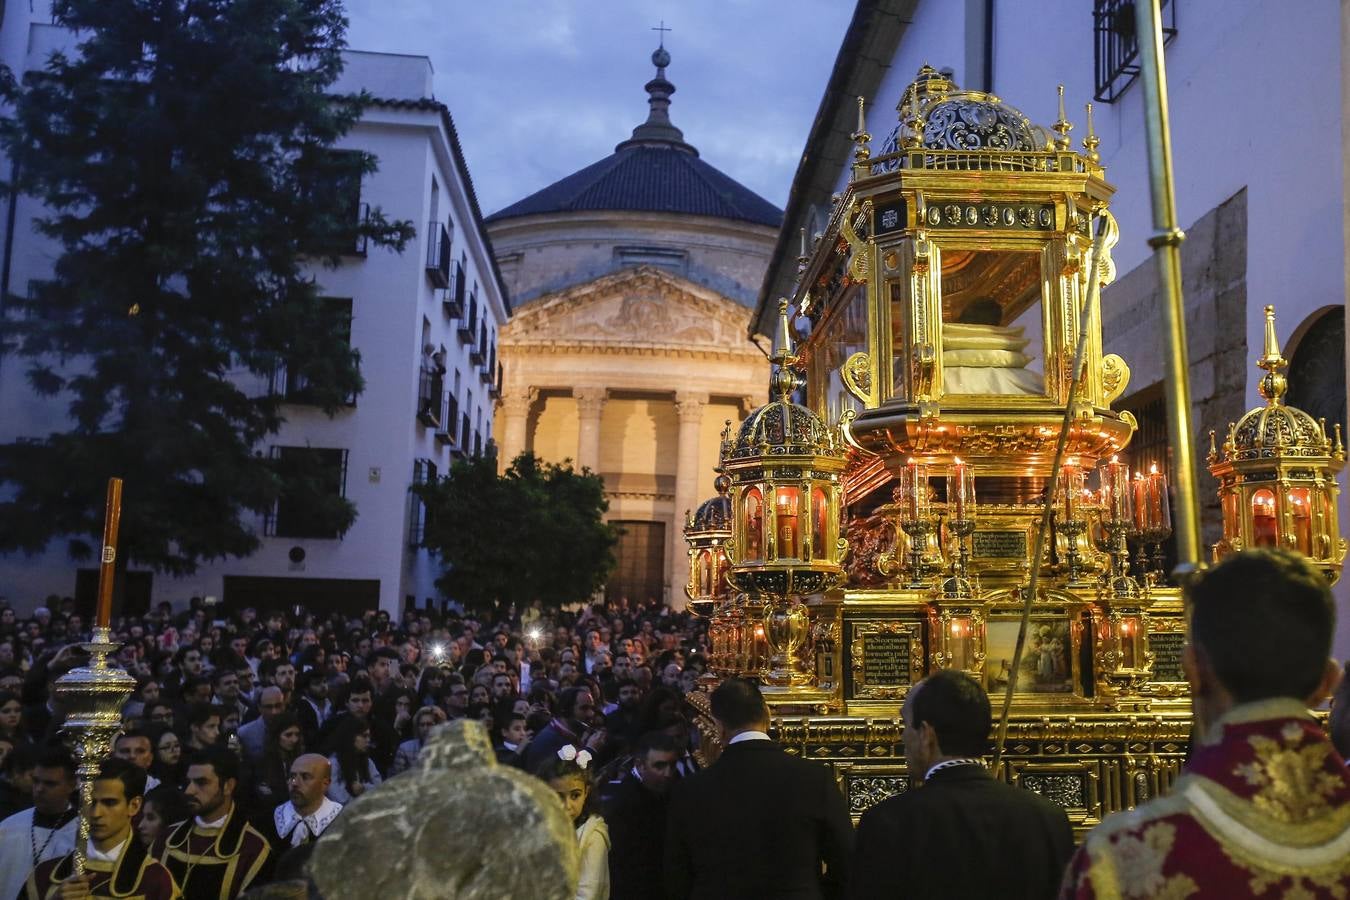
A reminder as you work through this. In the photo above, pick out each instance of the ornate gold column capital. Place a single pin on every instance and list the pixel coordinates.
(689, 405)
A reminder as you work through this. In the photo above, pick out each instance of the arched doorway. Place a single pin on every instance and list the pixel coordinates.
(1317, 366)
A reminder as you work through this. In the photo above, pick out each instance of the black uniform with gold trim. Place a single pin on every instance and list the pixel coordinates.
(214, 863)
(135, 876)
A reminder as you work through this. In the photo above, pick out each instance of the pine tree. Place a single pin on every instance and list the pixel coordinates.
(535, 532)
(184, 156)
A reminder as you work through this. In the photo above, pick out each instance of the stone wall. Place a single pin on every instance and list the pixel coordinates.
(1214, 284)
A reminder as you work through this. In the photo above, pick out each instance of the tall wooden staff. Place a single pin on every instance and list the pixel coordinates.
(92, 696)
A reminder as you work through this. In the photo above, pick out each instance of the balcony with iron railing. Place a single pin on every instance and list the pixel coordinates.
(350, 240)
(430, 394)
(465, 432)
(495, 391)
(295, 387)
(438, 254)
(445, 431)
(453, 300)
(468, 327)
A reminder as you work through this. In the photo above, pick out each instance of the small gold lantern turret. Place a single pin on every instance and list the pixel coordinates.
(785, 466)
(1277, 474)
(707, 531)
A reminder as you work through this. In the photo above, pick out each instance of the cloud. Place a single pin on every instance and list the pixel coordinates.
(543, 88)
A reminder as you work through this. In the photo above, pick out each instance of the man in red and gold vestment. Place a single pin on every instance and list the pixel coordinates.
(116, 864)
(216, 854)
(1262, 809)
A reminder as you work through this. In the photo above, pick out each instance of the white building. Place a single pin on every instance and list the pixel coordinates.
(425, 323)
(1258, 132)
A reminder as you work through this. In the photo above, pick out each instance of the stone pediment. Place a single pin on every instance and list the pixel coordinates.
(640, 307)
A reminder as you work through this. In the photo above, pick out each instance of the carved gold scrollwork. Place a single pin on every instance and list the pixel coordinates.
(1115, 377)
(860, 262)
(856, 373)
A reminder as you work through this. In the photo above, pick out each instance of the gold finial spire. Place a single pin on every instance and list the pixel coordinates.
(861, 138)
(914, 140)
(1063, 126)
(1091, 142)
(782, 355)
(1339, 450)
(1213, 450)
(1274, 384)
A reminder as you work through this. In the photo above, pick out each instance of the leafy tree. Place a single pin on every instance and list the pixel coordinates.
(536, 532)
(184, 159)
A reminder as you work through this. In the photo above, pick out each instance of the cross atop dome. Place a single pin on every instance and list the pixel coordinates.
(658, 130)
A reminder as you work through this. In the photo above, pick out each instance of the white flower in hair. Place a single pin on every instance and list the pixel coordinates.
(567, 753)
(583, 759)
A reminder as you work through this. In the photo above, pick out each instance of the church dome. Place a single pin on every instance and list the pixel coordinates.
(655, 170)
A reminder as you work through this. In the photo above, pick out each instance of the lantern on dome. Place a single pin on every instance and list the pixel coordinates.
(785, 467)
(1277, 474)
(707, 531)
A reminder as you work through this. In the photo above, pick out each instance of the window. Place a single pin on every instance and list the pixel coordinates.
(1116, 51)
(330, 183)
(312, 503)
(666, 257)
(424, 472)
(300, 382)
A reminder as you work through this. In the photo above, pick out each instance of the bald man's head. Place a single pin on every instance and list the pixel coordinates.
(271, 703)
(309, 781)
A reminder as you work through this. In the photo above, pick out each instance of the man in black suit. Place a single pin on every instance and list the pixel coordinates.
(758, 823)
(635, 813)
(963, 833)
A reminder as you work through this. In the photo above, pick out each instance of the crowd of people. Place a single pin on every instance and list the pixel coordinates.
(261, 725)
(249, 733)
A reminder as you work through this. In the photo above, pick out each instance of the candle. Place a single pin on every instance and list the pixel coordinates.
(914, 490)
(1129, 627)
(1159, 516)
(1265, 531)
(1070, 489)
(1115, 478)
(112, 520)
(960, 642)
(960, 491)
(1302, 510)
(1139, 488)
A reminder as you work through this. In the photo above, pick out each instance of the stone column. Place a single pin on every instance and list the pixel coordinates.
(689, 408)
(513, 412)
(590, 404)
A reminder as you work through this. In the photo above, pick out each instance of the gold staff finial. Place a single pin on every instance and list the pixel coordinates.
(1091, 142)
(915, 138)
(861, 152)
(1274, 384)
(782, 355)
(1063, 126)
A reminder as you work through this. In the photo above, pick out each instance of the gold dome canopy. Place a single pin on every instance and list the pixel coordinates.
(935, 114)
(1275, 430)
(781, 427)
(1277, 474)
(713, 514)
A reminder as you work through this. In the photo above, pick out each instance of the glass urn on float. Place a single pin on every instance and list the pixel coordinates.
(1277, 474)
(785, 467)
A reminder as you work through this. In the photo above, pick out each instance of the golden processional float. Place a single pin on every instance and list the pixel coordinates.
(881, 517)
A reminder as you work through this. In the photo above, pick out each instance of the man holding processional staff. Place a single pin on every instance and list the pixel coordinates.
(107, 860)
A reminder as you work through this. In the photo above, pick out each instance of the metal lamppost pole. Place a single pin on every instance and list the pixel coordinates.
(92, 696)
(1166, 243)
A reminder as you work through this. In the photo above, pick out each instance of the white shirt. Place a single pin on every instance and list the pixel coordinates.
(17, 836)
(748, 736)
(218, 823)
(93, 854)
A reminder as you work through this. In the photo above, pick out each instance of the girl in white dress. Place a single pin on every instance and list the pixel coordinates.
(568, 777)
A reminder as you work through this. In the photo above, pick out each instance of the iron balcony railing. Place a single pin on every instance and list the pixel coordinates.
(438, 254)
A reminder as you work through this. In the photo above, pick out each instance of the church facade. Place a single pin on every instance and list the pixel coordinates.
(632, 282)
